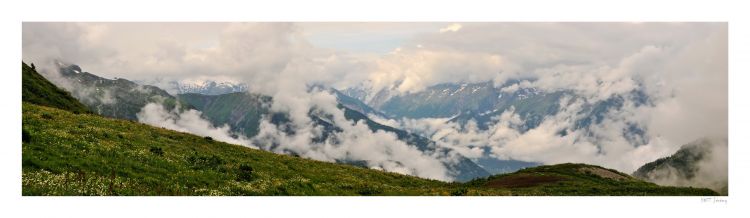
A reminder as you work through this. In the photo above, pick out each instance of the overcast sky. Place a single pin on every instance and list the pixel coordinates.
(381, 52)
(87, 44)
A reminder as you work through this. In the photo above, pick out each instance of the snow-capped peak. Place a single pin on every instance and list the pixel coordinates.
(208, 87)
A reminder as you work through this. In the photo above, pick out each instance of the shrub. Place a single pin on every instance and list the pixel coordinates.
(369, 190)
(25, 136)
(198, 161)
(156, 150)
(47, 116)
(245, 172)
(79, 146)
(208, 138)
(459, 192)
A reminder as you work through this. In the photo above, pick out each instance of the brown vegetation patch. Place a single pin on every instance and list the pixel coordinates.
(603, 173)
(521, 181)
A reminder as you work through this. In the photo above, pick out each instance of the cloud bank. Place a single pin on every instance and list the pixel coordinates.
(189, 121)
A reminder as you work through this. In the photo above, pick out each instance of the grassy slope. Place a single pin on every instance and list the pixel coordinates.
(69, 154)
(38, 90)
(579, 179)
(84, 154)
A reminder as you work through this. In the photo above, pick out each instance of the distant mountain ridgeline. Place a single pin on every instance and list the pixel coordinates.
(451, 99)
(205, 87)
(118, 98)
(483, 101)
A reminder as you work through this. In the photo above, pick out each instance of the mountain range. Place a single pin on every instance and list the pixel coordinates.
(462, 102)
(198, 86)
(482, 101)
(66, 152)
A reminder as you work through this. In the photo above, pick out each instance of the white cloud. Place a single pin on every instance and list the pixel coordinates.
(415, 69)
(189, 121)
(380, 150)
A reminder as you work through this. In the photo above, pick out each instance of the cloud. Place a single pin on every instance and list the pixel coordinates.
(451, 28)
(189, 121)
(539, 45)
(412, 70)
(73, 42)
(355, 142)
(582, 53)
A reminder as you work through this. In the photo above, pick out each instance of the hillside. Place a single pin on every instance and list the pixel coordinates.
(38, 90)
(578, 180)
(83, 154)
(69, 154)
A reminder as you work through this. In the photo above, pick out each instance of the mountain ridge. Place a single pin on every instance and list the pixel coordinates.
(198, 86)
